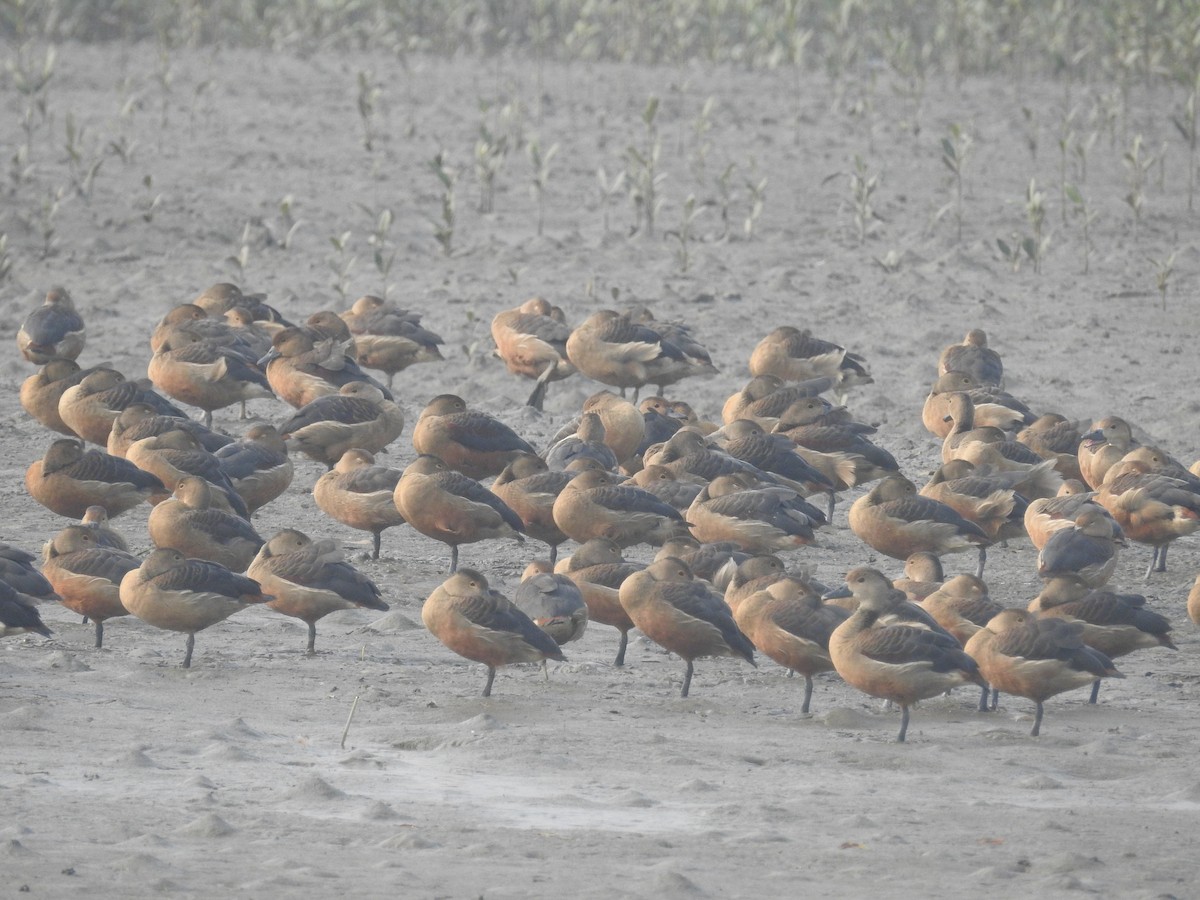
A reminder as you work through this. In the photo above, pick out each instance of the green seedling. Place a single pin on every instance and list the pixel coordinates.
(956, 151)
(610, 189)
(541, 163)
(642, 176)
(342, 262)
(443, 227)
(368, 99)
(1163, 270)
(1086, 218)
(490, 153)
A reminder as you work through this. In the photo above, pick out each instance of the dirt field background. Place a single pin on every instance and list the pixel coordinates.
(128, 775)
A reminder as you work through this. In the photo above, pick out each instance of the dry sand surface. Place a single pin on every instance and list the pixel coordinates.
(125, 775)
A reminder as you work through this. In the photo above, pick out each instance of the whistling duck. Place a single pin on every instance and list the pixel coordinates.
(532, 342)
(88, 576)
(593, 504)
(787, 621)
(357, 416)
(450, 507)
(52, 331)
(683, 615)
(1036, 658)
(359, 493)
(192, 523)
(974, 357)
(173, 592)
(895, 662)
(483, 625)
(310, 580)
(67, 480)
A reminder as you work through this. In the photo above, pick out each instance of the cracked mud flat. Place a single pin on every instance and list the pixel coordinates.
(125, 775)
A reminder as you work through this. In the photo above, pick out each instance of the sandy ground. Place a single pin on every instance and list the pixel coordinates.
(126, 775)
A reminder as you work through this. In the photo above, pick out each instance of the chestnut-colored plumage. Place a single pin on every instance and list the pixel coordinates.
(483, 625)
(173, 592)
(68, 479)
(87, 576)
(309, 580)
(54, 330)
(683, 615)
(896, 662)
(359, 493)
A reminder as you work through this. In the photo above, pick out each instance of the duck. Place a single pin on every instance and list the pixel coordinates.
(746, 576)
(531, 340)
(598, 570)
(787, 621)
(54, 330)
(309, 579)
(683, 615)
(758, 520)
(42, 390)
(1036, 658)
(140, 420)
(1150, 509)
(594, 504)
(555, 604)
(766, 398)
(95, 519)
(175, 593)
(689, 456)
(892, 519)
(450, 507)
(203, 374)
(1087, 550)
(962, 605)
(388, 338)
(1193, 602)
(192, 523)
(1054, 436)
(587, 442)
(974, 357)
(68, 479)
(482, 625)
(302, 366)
(922, 576)
(997, 509)
(357, 416)
(90, 407)
(469, 441)
(1103, 447)
(220, 298)
(87, 576)
(1115, 624)
(899, 663)
(1047, 515)
(174, 455)
(19, 613)
(245, 341)
(793, 354)
(358, 492)
(257, 466)
(746, 440)
(994, 406)
(666, 486)
(530, 489)
(610, 348)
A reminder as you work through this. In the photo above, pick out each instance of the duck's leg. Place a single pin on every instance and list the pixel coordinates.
(829, 507)
(191, 645)
(245, 414)
(376, 535)
(903, 723)
(546, 670)
(99, 634)
(1037, 720)
(553, 554)
(208, 418)
(1162, 558)
(487, 688)
(808, 689)
(620, 660)
(312, 638)
(687, 680)
(995, 698)
(983, 699)
(1095, 691)
(453, 558)
(982, 561)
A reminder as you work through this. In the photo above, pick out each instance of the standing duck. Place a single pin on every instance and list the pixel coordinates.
(52, 331)
(895, 662)
(483, 625)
